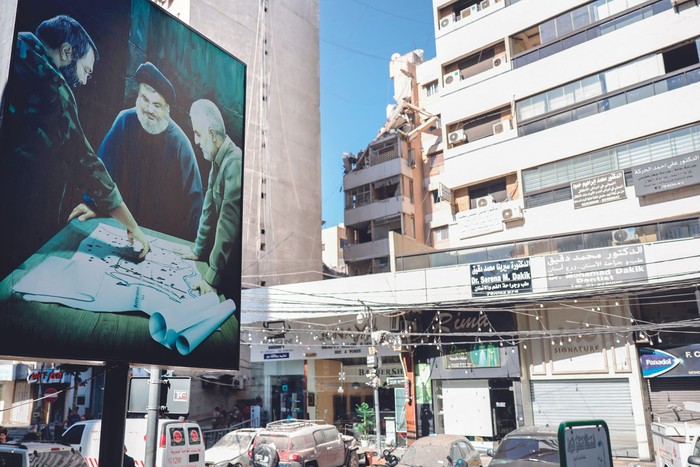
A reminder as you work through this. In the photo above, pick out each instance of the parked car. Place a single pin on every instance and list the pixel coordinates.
(308, 443)
(441, 450)
(526, 447)
(231, 449)
(39, 454)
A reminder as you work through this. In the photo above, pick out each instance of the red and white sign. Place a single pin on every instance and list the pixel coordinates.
(194, 436)
(51, 395)
(177, 436)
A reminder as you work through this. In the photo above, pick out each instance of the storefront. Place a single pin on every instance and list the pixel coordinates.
(465, 386)
(575, 372)
(673, 378)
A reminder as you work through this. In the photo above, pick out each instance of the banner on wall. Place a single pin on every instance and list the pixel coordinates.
(122, 128)
(671, 363)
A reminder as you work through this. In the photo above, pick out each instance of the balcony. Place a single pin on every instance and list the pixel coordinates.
(364, 251)
(377, 210)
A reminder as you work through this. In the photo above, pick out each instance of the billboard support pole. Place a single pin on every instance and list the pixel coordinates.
(152, 412)
(114, 414)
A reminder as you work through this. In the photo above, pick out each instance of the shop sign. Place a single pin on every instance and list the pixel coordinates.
(666, 174)
(482, 221)
(671, 363)
(588, 268)
(51, 376)
(483, 356)
(504, 277)
(600, 189)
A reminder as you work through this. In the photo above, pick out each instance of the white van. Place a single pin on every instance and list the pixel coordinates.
(179, 443)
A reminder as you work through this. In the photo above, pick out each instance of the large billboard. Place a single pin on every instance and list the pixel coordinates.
(121, 172)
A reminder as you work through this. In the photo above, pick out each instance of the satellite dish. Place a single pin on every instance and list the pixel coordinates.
(395, 56)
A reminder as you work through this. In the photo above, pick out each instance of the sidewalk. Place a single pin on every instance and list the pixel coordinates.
(617, 462)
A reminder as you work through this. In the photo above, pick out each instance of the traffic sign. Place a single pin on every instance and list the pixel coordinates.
(395, 380)
(51, 395)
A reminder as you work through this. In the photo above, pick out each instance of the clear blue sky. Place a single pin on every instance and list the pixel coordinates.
(357, 39)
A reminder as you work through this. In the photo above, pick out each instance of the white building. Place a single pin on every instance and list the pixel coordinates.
(571, 149)
(332, 243)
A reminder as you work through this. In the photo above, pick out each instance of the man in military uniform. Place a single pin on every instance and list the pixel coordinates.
(220, 225)
(47, 163)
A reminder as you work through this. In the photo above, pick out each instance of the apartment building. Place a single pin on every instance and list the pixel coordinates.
(387, 185)
(571, 139)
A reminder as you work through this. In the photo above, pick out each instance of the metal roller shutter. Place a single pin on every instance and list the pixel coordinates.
(554, 402)
(667, 393)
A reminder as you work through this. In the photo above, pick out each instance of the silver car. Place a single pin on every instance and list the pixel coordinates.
(441, 451)
(232, 449)
(527, 447)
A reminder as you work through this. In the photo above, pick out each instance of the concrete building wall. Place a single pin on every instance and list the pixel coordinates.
(282, 150)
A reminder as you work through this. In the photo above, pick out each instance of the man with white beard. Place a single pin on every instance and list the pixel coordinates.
(152, 160)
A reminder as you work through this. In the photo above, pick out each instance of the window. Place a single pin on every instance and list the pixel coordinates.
(431, 88)
(624, 156)
(435, 196)
(441, 234)
(356, 197)
(558, 33)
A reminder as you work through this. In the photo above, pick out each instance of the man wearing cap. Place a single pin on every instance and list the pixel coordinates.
(218, 237)
(46, 161)
(152, 160)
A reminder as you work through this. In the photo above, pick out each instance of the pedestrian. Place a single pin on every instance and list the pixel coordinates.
(73, 417)
(4, 435)
(128, 461)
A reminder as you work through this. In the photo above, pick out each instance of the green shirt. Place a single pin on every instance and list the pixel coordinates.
(46, 161)
(220, 223)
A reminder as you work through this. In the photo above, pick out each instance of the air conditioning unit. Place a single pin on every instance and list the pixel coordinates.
(484, 4)
(457, 136)
(512, 213)
(445, 22)
(503, 125)
(469, 11)
(624, 235)
(484, 201)
(451, 78)
(499, 60)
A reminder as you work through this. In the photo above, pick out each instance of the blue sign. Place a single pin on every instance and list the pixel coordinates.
(276, 356)
(673, 362)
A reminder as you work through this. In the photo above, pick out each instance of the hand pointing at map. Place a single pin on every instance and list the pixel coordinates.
(121, 213)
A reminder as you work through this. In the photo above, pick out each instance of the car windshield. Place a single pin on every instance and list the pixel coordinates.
(235, 440)
(544, 449)
(425, 455)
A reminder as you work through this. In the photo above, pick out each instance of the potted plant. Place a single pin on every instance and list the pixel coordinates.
(366, 414)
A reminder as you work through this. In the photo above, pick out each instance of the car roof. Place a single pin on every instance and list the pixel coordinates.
(438, 440)
(534, 431)
(293, 426)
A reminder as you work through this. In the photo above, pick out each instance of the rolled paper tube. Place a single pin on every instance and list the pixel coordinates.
(191, 337)
(166, 325)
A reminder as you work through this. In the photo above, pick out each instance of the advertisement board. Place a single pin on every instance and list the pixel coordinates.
(121, 172)
(603, 266)
(674, 362)
(505, 277)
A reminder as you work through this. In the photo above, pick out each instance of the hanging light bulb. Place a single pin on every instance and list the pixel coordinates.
(569, 339)
(525, 346)
(658, 339)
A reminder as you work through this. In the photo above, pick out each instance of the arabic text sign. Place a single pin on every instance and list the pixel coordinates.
(584, 444)
(605, 266)
(666, 174)
(600, 189)
(475, 222)
(504, 277)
